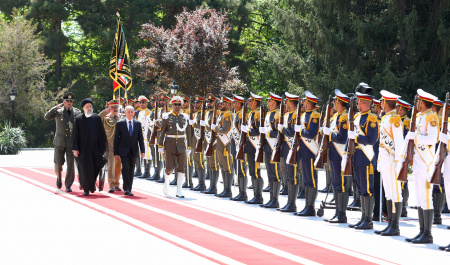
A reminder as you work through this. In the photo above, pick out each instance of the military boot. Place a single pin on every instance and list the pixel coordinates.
(363, 213)
(356, 197)
(267, 189)
(394, 229)
(138, 171)
(242, 184)
(195, 174)
(421, 225)
(180, 177)
(302, 192)
(166, 184)
(275, 193)
(438, 203)
(284, 185)
(311, 199)
(270, 193)
(426, 236)
(146, 170)
(342, 201)
(201, 180)
(257, 192)
(390, 214)
(369, 204)
(405, 195)
(160, 168)
(336, 213)
(227, 180)
(58, 171)
(445, 208)
(292, 196)
(306, 191)
(156, 174)
(214, 178)
(188, 182)
(174, 181)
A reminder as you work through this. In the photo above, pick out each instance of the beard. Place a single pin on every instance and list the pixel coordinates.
(88, 114)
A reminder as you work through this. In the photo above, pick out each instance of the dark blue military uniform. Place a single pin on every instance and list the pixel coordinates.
(305, 156)
(339, 137)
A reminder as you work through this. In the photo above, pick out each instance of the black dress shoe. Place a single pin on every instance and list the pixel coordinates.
(117, 189)
(68, 190)
(130, 194)
(111, 190)
(86, 193)
(58, 183)
(126, 192)
(92, 190)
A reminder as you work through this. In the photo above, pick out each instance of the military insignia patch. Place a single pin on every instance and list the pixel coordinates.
(397, 124)
(373, 124)
(314, 120)
(344, 126)
(433, 124)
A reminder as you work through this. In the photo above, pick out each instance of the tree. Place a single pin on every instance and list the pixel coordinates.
(193, 52)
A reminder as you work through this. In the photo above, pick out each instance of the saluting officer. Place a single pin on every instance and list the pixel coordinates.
(110, 116)
(251, 144)
(402, 109)
(64, 115)
(309, 147)
(425, 138)
(211, 161)
(223, 147)
(198, 157)
(365, 136)
(391, 143)
(241, 165)
(338, 138)
(145, 119)
(287, 144)
(270, 129)
(172, 142)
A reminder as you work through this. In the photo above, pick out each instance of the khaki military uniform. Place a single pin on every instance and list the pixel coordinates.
(114, 165)
(223, 142)
(63, 140)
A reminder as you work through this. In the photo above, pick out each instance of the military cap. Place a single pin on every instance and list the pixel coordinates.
(185, 97)
(341, 96)
(163, 96)
(69, 95)
(364, 88)
(210, 97)
(130, 100)
(364, 96)
(290, 96)
(404, 104)
(238, 98)
(176, 99)
(143, 98)
(438, 102)
(225, 99)
(275, 97)
(255, 97)
(152, 97)
(198, 99)
(86, 101)
(425, 95)
(376, 102)
(113, 103)
(309, 96)
(386, 95)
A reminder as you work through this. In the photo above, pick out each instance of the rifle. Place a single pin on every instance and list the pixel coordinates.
(209, 150)
(403, 174)
(191, 115)
(321, 159)
(276, 156)
(293, 158)
(436, 178)
(262, 137)
(240, 154)
(348, 170)
(155, 129)
(199, 147)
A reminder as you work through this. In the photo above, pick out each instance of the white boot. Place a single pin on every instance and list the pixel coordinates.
(166, 184)
(180, 178)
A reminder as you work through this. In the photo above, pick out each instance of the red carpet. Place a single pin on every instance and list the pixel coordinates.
(223, 245)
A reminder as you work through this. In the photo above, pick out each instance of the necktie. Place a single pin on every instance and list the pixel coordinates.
(68, 112)
(130, 129)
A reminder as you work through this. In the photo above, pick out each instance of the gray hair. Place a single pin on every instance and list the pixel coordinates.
(129, 107)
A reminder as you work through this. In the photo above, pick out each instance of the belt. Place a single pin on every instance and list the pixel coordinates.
(176, 136)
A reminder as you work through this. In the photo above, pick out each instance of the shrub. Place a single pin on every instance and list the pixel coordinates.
(12, 140)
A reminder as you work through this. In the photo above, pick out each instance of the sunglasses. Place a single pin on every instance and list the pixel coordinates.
(177, 104)
(69, 100)
(143, 102)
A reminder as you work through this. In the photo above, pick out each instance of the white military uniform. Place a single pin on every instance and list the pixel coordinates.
(391, 143)
(144, 118)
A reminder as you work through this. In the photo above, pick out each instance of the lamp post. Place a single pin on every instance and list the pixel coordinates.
(12, 96)
(173, 88)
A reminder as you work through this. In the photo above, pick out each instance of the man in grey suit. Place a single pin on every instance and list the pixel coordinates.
(64, 115)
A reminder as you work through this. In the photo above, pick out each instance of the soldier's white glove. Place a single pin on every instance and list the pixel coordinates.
(298, 128)
(351, 134)
(410, 135)
(262, 130)
(443, 138)
(202, 123)
(189, 151)
(191, 122)
(244, 128)
(280, 126)
(213, 126)
(326, 131)
(160, 150)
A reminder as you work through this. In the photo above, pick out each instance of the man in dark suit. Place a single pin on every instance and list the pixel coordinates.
(126, 139)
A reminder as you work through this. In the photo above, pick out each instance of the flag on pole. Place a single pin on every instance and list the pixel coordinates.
(119, 67)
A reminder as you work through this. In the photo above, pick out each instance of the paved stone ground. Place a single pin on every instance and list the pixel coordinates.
(39, 227)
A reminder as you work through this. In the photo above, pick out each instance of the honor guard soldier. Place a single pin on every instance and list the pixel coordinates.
(425, 138)
(110, 117)
(338, 138)
(172, 142)
(270, 129)
(287, 144)
(391, 143)
(402, 109)
(137, 107)
(241, 165)
(138, 171)
(186, 109)
(376, 107)
(64, 115)
(445, 139)
(365, 136)
(130, 102)
(163, 108)
(152, 128)
(438, 190)
(211, 161)
(198, 157)
(309, 148)
(251, 145)
(145, 119)
(223, 146)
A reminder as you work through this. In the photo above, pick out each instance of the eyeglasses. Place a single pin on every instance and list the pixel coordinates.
(177, 104)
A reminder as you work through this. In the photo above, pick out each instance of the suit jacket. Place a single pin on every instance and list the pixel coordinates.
(124, 143)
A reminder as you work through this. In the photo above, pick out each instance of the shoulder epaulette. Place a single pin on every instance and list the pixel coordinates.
(257, 114)
(315, 115)
(226, 114)
(343, 117)
(277, 115)
(407, 123)
(431, 117)
(372, 118)
(395, 118)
